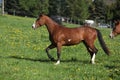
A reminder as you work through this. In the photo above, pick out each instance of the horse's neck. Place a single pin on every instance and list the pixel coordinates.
(51, 25)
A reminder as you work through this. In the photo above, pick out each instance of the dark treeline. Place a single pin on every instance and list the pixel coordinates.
(75, 9)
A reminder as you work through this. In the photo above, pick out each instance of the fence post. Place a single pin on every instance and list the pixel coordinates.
(2, 7)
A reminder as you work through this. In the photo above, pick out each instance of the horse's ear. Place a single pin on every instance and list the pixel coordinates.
(116, 22)
(119, 21)
(41, 15)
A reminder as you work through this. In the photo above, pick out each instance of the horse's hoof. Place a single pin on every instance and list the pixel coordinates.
(92, 62)
(58, 62)
(52, 59)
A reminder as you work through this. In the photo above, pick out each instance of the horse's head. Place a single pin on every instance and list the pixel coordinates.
(112, 34)
(39, 22)
(116, 29)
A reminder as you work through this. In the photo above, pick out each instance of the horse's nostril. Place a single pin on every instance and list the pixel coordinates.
(33, 27)
(111, 36)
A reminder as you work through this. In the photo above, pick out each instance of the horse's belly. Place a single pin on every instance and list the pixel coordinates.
(70, 42)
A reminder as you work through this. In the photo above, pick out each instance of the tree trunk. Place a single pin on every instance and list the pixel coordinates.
(2, 7)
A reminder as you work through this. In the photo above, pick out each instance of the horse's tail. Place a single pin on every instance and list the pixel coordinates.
(102, 43)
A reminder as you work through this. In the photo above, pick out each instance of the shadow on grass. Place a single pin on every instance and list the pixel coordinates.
(76, 60)
(29, 59)
(47, 60)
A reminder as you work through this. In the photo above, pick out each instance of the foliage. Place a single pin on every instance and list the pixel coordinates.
(78, 9)
(55, 7)
(22, 55)
(27, 7)
(98, 9)
(75, 9)
(116, 10)
(109, 13)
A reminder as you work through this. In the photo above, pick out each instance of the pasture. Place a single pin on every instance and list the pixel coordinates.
(23, 56)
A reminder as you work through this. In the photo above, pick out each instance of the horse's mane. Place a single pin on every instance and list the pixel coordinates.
(117, 22)
(51, 19)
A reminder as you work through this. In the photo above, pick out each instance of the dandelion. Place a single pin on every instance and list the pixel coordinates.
(28, 44)
(22, 56)
(78, 69)
(16, 69)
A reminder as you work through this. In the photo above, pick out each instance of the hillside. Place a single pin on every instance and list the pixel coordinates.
(23, 56)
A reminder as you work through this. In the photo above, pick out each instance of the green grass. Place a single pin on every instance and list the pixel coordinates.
(23, 57)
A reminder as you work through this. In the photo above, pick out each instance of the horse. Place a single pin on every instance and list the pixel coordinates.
(116, 29)
(60, 35)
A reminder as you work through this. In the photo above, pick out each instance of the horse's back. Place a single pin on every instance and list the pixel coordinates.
(89, 33)
(80, 32)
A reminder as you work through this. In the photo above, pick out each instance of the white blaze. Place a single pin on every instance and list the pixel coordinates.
(33, 25)
(111, 35)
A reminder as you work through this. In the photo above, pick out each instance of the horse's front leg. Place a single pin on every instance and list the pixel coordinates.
(47, 51)
(58, 53)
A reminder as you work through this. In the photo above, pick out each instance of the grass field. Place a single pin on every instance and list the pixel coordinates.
(23, 57)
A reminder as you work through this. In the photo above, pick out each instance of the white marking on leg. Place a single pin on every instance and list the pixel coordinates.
(58, 62)
(93, 59)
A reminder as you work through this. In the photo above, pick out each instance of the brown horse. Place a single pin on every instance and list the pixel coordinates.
(116, 29)
(63, 36)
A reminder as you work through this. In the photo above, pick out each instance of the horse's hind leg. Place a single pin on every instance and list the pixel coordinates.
(47, 51)
(93, 54)
(92, 50)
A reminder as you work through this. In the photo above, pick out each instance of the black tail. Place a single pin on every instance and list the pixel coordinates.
(102, 43)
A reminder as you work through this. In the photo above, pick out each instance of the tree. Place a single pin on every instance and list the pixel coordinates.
(27, 7)
(2, 7)
(109, 12)
(83, 5)
(116, 11)
(78, 9)
(12, 6)
(98, 10)
(56, 7)
(34, 7)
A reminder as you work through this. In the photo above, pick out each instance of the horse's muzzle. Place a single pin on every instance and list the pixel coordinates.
(33, 26)
(111, 36)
